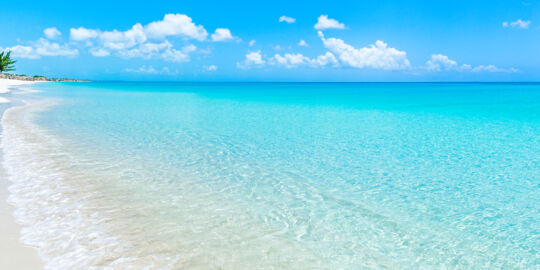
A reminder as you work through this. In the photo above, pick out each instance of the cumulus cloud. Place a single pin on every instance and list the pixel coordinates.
(288, 60)
(222, 34)
(292, 60)
(323, 22)
(146, 50)
(163, 50)
(51, 33)
(440, 62)
(20, 51)
(377, 56)
(179, 56)
(251, 43)
(253, 59)
(287, 19)
(81, 33)
(42, 47)
(303, 43)
(47, 48)
(172, 25)
(141, 41)
(520, 24)
(148, 41)
(121, 40)
(326, 59)
(176, 25)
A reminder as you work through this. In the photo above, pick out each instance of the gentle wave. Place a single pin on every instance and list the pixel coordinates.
(122, 179)
(56, 216)
(76, 223)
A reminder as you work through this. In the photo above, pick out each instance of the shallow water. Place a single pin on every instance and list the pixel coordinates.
(278, 176)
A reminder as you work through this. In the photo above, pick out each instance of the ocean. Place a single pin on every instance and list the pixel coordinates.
(277, 175)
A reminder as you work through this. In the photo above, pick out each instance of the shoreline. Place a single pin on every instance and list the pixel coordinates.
(25, 78)
(13, 253)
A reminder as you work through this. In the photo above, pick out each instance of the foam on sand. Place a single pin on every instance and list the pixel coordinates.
(6, 84)
(13, 254)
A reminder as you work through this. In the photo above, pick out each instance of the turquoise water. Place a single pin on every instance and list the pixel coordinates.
(279, 175)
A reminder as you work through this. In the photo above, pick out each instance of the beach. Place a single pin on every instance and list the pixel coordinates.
(283, 135)
(13, 254)
(220, 175)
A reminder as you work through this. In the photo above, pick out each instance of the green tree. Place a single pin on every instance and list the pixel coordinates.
(6, 64)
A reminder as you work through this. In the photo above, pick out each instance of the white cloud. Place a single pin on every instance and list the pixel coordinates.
(222, 34)
(171, 25)
(253, 59)
(292, 60)
(210, 68)
(287, 19)
(99, 52)
(163, 50)
(141, 41)
(146, 50)
(47, 48)
(151, 70)
(179, 56)
(440, 62)
(492, 68)
(303, 43)
(148, 41)
(143, 69)
(323, 22)
(278, 48)
(81, 33)
(176, 25)
(378, 56)
(251, 43)
(325, 59)
(288, 60)
(20, 51)
(520, 24)
(52, 33)
(42, 47)
(121, 40)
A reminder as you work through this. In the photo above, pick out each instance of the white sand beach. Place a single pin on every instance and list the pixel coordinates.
(5, 84)
(13, 254)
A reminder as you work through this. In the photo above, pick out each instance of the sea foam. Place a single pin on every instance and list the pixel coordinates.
(77, 223)
(56, 217)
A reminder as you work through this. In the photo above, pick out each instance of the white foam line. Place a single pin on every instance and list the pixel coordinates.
(56, 217)
(6, 84)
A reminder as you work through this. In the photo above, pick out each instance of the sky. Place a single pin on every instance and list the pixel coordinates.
(275, 40)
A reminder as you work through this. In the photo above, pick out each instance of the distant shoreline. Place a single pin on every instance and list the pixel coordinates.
(36, 78)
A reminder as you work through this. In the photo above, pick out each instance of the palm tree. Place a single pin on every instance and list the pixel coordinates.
(6, 64)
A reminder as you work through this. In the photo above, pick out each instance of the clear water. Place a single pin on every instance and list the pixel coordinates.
(278, 176)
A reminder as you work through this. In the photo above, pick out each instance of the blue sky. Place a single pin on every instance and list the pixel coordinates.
(251, 41)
